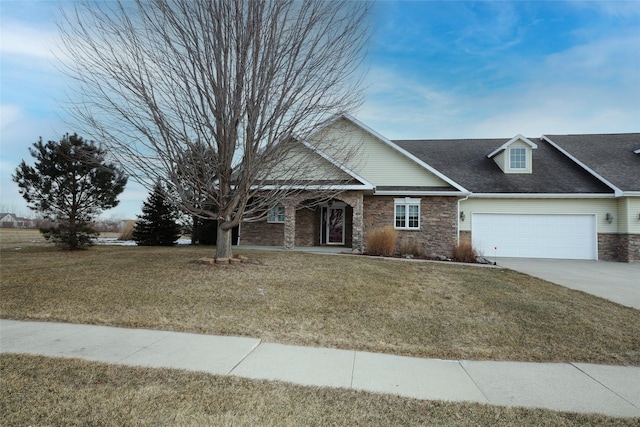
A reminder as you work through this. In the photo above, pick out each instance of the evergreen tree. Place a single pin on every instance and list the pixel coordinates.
(70, 183)
(157, 226)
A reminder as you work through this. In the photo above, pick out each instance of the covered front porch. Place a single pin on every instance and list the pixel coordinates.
(337, 222)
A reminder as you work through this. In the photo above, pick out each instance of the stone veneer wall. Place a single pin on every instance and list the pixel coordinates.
(608, 246)
(633, 248)
(619, 247)
(438, 215)
(307, 227)
(262, 233)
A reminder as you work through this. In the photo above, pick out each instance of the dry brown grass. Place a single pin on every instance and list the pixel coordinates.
(409, 308)
(464, 252)
(127, 230)
(413, 248)
(48, 391)
(17, 238)
(382, 241)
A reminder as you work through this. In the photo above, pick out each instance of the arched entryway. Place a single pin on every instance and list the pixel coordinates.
(337, 221)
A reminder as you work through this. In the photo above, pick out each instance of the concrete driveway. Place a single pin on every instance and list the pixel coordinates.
(616, 281)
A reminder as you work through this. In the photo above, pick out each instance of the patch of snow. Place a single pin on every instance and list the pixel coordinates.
(114, 241)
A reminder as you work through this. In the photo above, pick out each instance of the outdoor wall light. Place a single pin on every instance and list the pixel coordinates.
(462, 215)
(608, 217)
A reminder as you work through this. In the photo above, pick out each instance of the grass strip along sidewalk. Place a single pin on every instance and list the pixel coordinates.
(49, 391)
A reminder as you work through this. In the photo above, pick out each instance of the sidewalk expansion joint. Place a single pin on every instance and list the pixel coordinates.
(353, 369)
(473, 380)
(245, 357)
(604, 385)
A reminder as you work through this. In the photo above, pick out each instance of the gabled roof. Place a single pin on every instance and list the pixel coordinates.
(454, 186)
(466, 162)
(366, 185)
(611, 158)
(511, 141)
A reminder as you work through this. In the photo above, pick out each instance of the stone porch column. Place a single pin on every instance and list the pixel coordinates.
(289, 224)
(355, 199)
(357, 243)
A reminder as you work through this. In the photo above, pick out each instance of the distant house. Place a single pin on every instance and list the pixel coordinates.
(9, 220)
(556, 196)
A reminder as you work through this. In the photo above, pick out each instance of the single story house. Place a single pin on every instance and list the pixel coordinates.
(556, 196)
(10, 220)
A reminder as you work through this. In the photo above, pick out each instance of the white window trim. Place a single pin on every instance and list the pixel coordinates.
(526, 160)
(276, 215)
(406, 202)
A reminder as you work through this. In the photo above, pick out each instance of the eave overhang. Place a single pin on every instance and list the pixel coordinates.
(419, 193)
(542, 196)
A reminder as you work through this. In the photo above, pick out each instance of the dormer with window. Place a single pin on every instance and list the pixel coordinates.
(515, 156)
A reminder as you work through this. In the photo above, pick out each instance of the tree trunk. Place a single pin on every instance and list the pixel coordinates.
(223, 242)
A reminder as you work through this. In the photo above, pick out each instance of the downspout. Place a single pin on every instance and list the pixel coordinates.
(458, 217)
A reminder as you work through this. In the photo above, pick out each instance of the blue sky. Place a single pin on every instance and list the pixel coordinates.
(447, 69)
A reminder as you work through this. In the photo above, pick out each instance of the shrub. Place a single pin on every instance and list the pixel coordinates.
(77, 236)
(157, 226)
(464, 252)
(382, 241)
(127, 230)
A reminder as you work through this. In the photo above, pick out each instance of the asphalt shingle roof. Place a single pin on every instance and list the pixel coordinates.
(465, 161)
(609, 155)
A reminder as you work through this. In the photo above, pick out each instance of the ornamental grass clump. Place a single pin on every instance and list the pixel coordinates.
(382, 241)
(464, 252)
(127, 231)
(412, 249)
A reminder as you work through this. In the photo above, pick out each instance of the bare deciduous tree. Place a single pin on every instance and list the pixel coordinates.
(245, 82)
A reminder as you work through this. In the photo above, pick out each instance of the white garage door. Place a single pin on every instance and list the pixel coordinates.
(535, 236)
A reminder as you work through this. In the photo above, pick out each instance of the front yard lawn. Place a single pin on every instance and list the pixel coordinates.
(408, 308)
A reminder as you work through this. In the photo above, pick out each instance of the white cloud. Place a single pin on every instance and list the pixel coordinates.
(9, 114)
(24, 40)
(617, 57)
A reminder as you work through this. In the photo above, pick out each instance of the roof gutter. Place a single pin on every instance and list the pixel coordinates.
(542, 196)
(458, 218)
(419, 193)
(337, 187)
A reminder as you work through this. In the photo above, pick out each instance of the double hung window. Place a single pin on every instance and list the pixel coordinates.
(407, 214)
(518, 158)
(276, 214)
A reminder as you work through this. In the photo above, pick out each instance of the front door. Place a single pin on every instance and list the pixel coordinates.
(335, 226)
(332, 226)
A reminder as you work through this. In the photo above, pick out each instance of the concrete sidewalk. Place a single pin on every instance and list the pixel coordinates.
(576, 387)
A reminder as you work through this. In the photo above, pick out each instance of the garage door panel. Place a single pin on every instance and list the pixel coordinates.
(535, 236)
